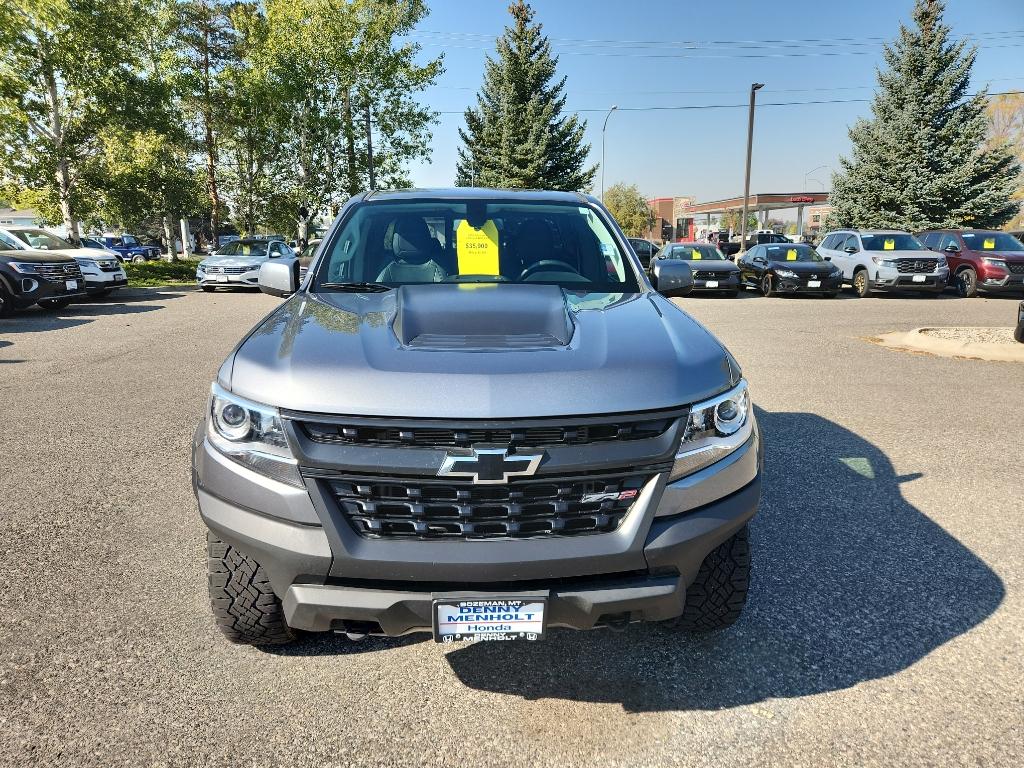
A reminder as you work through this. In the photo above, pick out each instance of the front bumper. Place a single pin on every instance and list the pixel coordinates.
(886, 279)
(728, 281)
(799, 285)
(225, 280)
(330, 578)
(999, 281)
(100, 280)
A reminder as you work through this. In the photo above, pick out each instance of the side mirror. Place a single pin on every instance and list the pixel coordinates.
(828, 258)
(675, 278)
(952, 248)
(850, 249)
(279, 278)
(760, 260)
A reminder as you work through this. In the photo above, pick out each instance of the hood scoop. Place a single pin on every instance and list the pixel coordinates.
(482, 316)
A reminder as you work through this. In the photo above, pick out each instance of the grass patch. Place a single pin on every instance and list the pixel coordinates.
(154, 273)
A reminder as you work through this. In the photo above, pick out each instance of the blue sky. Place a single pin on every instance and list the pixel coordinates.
(701, 152)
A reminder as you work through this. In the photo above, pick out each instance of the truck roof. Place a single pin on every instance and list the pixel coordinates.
(480, 193)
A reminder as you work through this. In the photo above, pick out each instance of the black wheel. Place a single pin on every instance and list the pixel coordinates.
(208, 288)
(245, 607)
(54, 303)
(6, 300)
(139, 259)
(967, 283)
(767, 289)
(716, 598)
(861, 285)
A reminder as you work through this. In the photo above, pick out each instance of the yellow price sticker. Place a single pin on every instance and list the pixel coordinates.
(889, 244)
(791, 254)
(478, 249)
(989, 244)
(696, 254)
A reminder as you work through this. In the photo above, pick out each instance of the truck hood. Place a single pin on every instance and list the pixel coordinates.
(394, 354)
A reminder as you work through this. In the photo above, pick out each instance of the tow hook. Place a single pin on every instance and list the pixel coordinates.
(617, 622)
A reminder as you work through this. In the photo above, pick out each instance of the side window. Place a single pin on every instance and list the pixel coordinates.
(947, 240)
(832, 241)
(851, 242)
(275, 249)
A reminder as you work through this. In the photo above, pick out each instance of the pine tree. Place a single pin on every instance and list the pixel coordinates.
(516, 136)
(922, 161)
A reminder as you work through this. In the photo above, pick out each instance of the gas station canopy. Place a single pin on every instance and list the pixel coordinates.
(770, 201)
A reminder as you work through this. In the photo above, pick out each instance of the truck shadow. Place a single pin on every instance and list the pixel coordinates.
(851, 583)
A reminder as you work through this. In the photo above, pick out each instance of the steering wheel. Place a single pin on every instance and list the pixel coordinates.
(547, 265)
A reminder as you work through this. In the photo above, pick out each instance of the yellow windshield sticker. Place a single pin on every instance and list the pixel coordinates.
(990, 243)
(889, 244)
(477, 249)
(696, 254)
(791, 254)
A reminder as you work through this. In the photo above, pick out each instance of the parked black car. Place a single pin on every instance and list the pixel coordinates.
(712, 271)
(645, 250)
(30, 277)
(789, 268)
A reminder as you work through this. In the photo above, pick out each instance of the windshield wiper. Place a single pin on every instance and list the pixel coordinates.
(356, 287)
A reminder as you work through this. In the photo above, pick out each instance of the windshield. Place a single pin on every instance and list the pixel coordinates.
(992, 241)
(695, 253)
(794, 252)
(254, 250)
(893, 242)
(41, 239)
(479, 241)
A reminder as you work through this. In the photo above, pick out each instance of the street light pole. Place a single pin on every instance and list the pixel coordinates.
(754, 88)
(614, 107)
(812, 171)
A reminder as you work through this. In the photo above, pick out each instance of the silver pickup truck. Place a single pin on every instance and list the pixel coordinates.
(475, 417)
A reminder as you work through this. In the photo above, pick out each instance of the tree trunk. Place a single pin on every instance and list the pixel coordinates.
(63, 167)
(350, 148)
(209, 141)
(186, 239)
(172, 249)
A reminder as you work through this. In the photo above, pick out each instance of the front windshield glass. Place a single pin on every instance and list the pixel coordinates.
(792, 252)
(41, 239)
(477, 241)
(893, 242)
(237, 248)
(992, 241)
(696, 253)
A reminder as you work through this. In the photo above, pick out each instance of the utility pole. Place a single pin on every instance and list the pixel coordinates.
(754, 88)
(614, 107)
(369, 148)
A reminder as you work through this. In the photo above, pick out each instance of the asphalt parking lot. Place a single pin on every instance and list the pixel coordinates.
(886, 623)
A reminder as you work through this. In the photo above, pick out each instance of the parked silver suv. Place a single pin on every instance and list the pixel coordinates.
(887, 260)
(476, 418)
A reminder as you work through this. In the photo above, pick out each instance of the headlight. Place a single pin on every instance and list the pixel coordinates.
(252, 435)
(884, 262)
(785, 273)
(23, 267)
(87, 264)
(1001, 263)
(108, 263)
(201, 266)
(714, 429)
(941, 262)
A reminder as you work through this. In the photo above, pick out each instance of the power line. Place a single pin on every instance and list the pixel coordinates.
(667, 108)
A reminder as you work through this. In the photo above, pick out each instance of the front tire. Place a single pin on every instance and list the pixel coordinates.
(208, 288)
(967, 283)
(767, 289)
(6, 300)
(245, 607)
(717, 596)
(139, 259)
(861, 286)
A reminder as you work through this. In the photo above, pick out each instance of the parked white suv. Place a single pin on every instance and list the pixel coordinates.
(887, 260)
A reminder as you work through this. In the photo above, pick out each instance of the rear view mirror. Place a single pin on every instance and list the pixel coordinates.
(279, 278)
(675, 278)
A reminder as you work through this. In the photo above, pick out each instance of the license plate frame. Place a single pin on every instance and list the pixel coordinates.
(70, 285)
(531, 629)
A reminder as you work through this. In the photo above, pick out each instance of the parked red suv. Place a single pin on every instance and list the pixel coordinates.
(979, 260)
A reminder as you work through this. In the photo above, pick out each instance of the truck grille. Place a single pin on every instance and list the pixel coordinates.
(706, 274)
(59, 272)
(427, 509)
(228, 270)
(533, 433)
(915, 266)
(1017, 267)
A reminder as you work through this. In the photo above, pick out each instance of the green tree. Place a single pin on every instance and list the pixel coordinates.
(66, 73)
(630, 209)
(516, 135)
(1006, 126)
(731, 220)
(921, 160)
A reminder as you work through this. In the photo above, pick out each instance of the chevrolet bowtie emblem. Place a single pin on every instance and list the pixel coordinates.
(490, 465)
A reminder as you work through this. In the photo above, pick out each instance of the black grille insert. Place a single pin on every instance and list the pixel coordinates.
(915, 266)
(1017, 267)
(428, 509)
(634, 427)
